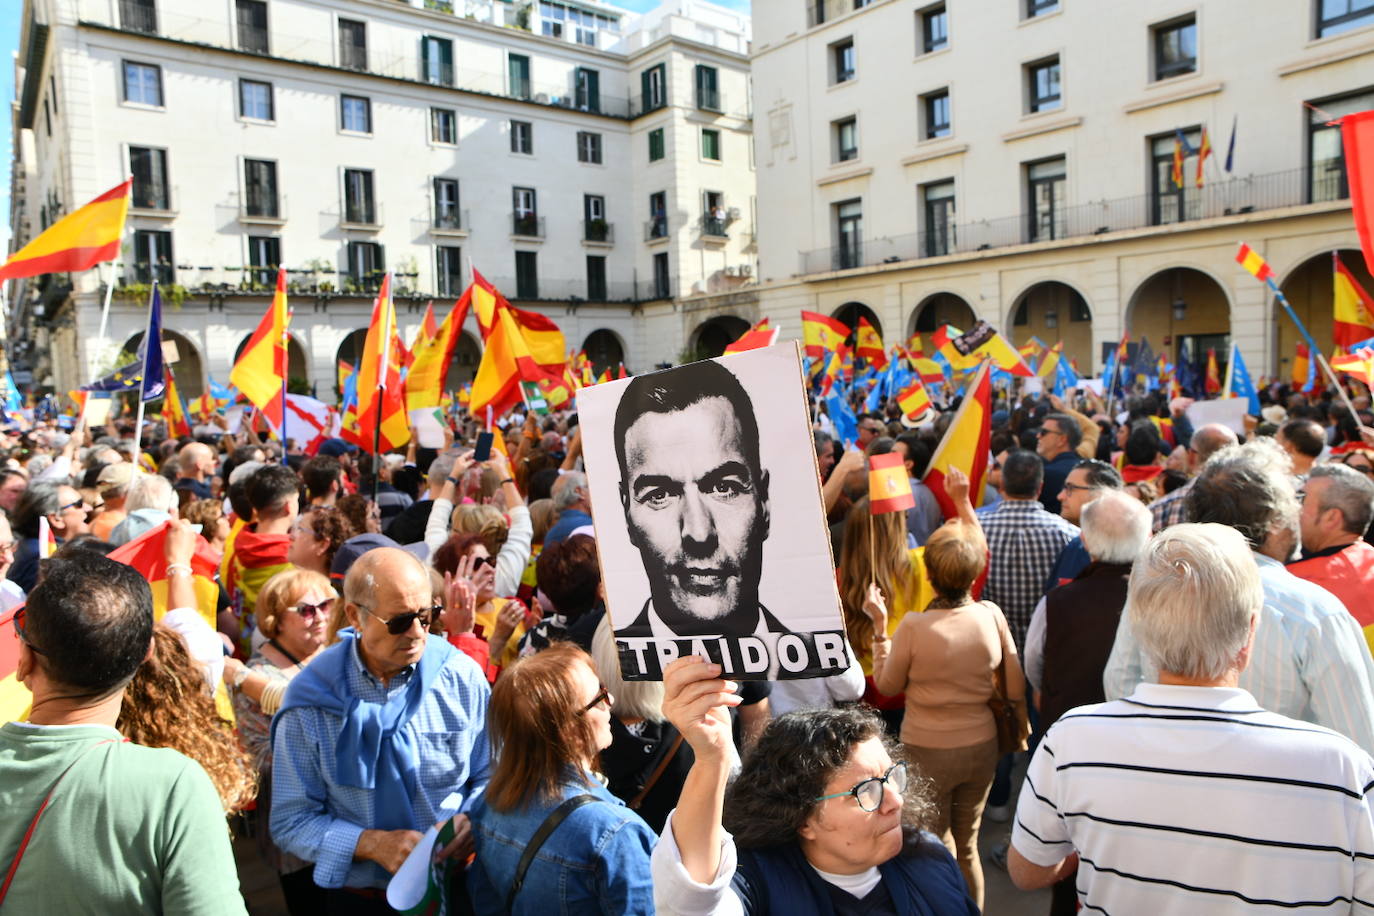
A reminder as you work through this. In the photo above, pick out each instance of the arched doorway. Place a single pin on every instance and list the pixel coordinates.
(1308, 289)
(712, 336)
(188, 370)
(462, 367)
(851, 312)
(941, 309)
(1183, 313)
(297, 367)
(604, 350)
(1054, 312)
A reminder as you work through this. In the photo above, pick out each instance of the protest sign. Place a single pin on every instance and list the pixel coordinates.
(709, 521)
(1228, 412)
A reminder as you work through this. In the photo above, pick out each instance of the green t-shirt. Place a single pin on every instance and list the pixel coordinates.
(130, 829)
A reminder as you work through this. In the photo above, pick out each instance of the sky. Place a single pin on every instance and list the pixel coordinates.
(642, 6)
(10, 11)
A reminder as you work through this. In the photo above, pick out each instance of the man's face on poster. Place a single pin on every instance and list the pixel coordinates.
(697, 510)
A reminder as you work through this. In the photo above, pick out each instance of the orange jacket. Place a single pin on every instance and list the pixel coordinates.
(1348, 574)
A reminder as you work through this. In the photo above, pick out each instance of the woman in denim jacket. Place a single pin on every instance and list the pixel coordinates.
(549, 718)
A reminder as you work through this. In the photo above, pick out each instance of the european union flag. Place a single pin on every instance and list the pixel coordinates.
(1242, 386)
(122, 379)
(150, 351)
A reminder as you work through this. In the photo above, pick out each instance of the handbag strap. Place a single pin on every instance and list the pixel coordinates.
(556, 816)
(999, 676)
(658, 772)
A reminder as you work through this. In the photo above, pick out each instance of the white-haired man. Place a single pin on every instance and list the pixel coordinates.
(1187, 796)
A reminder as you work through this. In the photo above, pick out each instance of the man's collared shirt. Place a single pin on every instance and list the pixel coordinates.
(1169, 509)
(1056, 473)
(1024, 542)
(318, 819)
(1309, 660)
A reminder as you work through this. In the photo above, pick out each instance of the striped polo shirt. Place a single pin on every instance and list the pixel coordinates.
(1196, 800)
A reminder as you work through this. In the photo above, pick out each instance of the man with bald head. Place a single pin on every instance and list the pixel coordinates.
(1206, 442)
(196, 464)
(381, 736)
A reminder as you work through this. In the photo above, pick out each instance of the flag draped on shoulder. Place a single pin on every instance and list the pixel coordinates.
(260, 371)
(1354, 309)
(821, 333)
(79, 240)
(965, 444)
(382, 421)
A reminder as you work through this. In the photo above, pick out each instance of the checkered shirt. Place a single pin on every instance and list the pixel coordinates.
(1168, 510)
(1024, 542)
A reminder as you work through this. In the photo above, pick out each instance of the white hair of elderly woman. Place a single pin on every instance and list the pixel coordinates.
(151, 491)
(1194, 594)
(1115, 527)
(633, 699)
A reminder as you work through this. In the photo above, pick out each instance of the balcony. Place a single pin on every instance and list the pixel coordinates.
(526, 225)
(1217, 200)
(567, 290)
(450, 221)
(364, 216)
(138, 16)
(656, 228)
(253, 38)
(643, 104)
(271, 211)
(598, 232)
(713, 227)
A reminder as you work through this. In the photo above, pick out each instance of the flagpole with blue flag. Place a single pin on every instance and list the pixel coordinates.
(1238, 382)
(150, 366)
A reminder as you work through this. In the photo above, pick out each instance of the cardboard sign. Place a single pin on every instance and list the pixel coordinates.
(1228, 412)
(709, 521)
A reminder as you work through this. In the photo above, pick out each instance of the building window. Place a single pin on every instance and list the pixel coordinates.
(138, 16)
(436, 60)
(596, 277)
(1337, 16)
(359, 204)
(708, 92)
(1045, 187)
(1172, 200)
(1328, 179)
(594, 225)
(255, 100)
(518, 72)
(842, 61)
(1042, 85)
(446, 212)
(935, 109)
(448, 270)
(443, 125)
(663, 284)
(653, 85)
(710, 145)
(1175, 45)
(526, 221)
(260, 188)
(252, 23)
(527, 275)
(934, 29)
(849, 230)
(365, 265)
(714, 217)
(153, 257)
(658, 215)
(587, 89)
(352, 44)
(656, 144)
(938, 199)
(264, 256)
(846, 134)
(522, 137)
(149, 169)
(588, 147)
(1040, 7)
(356, 114)
(142, 83)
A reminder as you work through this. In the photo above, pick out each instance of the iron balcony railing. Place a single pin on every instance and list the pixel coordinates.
(528, 225)
(597, 230)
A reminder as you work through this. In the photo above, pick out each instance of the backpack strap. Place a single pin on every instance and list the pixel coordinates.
(556, 816)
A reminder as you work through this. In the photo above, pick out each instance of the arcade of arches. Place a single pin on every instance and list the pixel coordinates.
(1054, 312)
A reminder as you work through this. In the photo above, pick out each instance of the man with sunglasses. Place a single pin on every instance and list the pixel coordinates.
(66, 512)
(382, 735)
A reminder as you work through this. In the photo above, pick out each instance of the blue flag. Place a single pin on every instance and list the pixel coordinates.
(150, 350)
(13, 399)
(124, 378)
(842, 418)
(1064, 377)
(1242, 386)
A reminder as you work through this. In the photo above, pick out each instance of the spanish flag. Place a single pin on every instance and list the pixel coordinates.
(542, 336)
(15, 698)
(914, 345)
(433, 351)
(889, 489)
(1251, 260)
(47, 543)
(1204, 149)
(173, 410)
(1354, 309)
(147, 554)
(821, 333)
(1181, 151)
(260, 371)
(77, 241)
(1213, 383)
(382, 421)
(1360, 364)
(914, 401)
(1050, 364)
(760, 335)
(868, 344)
(965, 444)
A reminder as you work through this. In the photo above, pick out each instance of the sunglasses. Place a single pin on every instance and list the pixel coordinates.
(602, 696)
(19, 628)
(869, 792)
(61, 509)
(1364, 469)
(479, 562)
(402, 623)
(309, 611)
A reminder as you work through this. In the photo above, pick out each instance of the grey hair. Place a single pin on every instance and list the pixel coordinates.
(1194, 593)
(244, 471)
(633, 699)
(1349, 491)
(151, 491)
(1115, 527)
(566, 487)
(440, 468)
(1248, 487)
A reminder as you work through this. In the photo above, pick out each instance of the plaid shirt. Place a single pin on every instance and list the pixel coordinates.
(1024, 542)
(1168, 510)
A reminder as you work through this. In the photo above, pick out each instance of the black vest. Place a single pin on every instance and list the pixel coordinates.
(1080, 627)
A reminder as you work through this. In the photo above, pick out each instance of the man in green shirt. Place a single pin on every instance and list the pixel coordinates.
(123, 828)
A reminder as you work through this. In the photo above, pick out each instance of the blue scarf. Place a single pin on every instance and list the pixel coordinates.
(374, 750)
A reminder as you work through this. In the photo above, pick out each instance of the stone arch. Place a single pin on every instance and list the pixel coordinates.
(1054, 312)
(188, 370)
(462, 366)
(605, 350)
(713, 335)
(1308, 289)
(851, 312)
(939, 309)
(1183, 311)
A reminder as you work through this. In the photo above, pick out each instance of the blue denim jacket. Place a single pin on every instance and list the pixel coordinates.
(597, 861)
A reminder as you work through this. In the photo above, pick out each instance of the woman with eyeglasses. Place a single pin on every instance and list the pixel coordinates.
(548, 720)
(824, 817)
(316, 536)
(293, 609)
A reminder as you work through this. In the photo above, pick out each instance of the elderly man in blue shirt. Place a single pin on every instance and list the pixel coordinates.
(381, 736)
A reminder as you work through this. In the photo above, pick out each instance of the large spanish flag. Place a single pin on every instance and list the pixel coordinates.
(77, 241)
(382, 421)
(1354, 309)
(966, 443)
(821, 333)
(173, 410)
(506, 361)
(433, 351)
(542, 336)
(260, 371)
(868, 344)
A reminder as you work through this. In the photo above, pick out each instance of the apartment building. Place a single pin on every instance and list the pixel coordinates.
(1013, 160)
(594, 164)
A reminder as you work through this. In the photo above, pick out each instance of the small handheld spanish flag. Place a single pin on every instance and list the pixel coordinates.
(914, 401)
(889, 489)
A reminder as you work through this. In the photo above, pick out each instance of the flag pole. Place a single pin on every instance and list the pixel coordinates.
(380, 402)
(1316, 351)
(138, 423)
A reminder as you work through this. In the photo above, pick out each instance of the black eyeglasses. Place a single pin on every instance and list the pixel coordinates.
(869, 792)
(1048, 431)
(401, 623)
(1071, 487)
(602, 696)
(19, 628)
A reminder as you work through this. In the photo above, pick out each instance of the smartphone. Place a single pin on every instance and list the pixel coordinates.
(483, 450)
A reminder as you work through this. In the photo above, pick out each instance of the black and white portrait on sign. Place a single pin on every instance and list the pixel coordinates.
(709, 519)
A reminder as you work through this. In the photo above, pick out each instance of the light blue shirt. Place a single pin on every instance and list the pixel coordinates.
(320, 820)
(1309, 661)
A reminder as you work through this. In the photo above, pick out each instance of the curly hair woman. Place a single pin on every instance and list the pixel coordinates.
(167, 705)
(316, 536)
(823, 817)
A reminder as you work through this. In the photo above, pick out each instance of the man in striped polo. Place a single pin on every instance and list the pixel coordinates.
(1186, 796)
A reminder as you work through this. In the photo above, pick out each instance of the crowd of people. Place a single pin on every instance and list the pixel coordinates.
(1186, 616)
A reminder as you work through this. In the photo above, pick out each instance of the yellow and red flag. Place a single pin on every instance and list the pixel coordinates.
(1360, 364)
(506, 362)
(914, 401)
(821, 333)
(147, 554)
(1204, 150)
(914, 345)
(542, 336)
(760, 335)
(983, 341)
(1251, 260)
(15, 698)
(433, 352)
(1354, 309)
(260, 371)
(1050, 364)
(868, 344)
(965, 444)
(47, 542)
(889, 489)
(173, 410)
(1301, 363)
(1212, 385)
(77, 241)
(382, 421)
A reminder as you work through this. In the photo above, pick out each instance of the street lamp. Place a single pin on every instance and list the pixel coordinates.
(1180, 308)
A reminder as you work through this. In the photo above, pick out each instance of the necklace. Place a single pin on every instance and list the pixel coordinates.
(276, 645)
